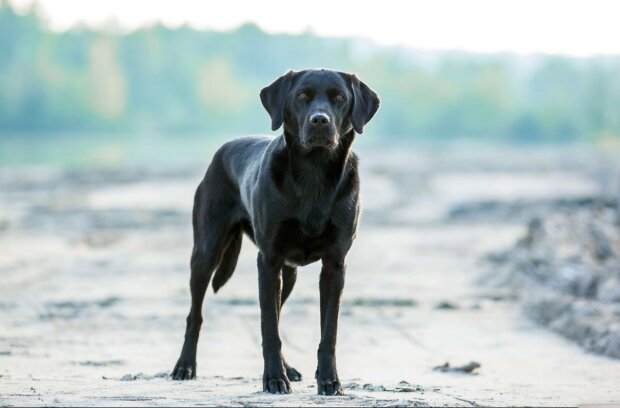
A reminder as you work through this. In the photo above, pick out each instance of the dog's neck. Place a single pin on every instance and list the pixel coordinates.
(317, 173)
(316, 178)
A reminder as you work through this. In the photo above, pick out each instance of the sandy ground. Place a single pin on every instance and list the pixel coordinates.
(94, 282)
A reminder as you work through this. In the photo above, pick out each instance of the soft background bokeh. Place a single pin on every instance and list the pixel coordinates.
(101, 92)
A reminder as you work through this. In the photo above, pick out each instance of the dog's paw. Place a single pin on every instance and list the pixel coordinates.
(276, 383)
(291, 373)
(184, 370)
(329, 387)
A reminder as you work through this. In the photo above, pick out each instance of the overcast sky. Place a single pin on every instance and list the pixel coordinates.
(578, 28)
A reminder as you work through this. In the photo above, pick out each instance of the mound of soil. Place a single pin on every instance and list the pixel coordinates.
(566, 270)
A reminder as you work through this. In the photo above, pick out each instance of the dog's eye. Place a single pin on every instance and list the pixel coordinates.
(339, 98)
(302, 96)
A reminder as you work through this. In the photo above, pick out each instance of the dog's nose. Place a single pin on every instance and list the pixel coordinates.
(319, 119)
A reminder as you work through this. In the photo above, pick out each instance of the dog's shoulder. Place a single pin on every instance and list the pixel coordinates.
(278, 163)
(239, 155)
(353, 161)
(245, 144)
(349, 186)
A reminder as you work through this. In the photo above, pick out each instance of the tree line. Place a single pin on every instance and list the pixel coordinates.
(182, 80)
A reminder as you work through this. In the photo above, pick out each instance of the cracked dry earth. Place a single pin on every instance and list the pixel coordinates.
(94, 283)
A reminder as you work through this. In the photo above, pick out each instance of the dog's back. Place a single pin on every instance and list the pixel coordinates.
(220, 198)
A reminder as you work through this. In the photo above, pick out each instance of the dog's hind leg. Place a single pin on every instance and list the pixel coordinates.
(202, 266)
(212, 234)
(289, 276)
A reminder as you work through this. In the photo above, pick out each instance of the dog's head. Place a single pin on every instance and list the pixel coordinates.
(318, 106)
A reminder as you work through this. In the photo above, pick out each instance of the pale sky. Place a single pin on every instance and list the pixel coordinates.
(577, 28)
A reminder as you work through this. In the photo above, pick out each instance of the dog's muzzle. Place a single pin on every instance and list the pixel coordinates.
(320, 131)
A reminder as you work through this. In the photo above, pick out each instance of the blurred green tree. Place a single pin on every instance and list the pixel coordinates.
(183, 80)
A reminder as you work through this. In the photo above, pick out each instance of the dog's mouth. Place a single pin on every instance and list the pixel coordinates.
(326, 145)
(321, 145)
(324, 139)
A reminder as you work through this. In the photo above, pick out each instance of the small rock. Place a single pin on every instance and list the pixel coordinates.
(467, 368)
(445, 305)
(370, 387)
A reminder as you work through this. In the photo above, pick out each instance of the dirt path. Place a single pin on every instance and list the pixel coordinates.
(94, 297)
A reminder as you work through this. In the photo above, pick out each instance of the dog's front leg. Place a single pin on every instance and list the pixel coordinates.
(331, 285)
(269, 288)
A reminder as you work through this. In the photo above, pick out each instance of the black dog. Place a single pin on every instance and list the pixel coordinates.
(297, 197)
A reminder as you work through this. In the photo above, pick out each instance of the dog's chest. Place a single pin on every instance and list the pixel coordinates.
(302, 242)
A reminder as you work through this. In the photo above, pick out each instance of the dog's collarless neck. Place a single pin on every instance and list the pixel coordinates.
(316, 174)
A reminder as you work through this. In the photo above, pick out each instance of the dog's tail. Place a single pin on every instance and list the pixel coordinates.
(228, 263)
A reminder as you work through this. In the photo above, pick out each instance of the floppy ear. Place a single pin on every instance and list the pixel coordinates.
(273, 98)
(365, 104)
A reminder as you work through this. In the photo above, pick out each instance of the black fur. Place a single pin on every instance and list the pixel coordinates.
(297, 197)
